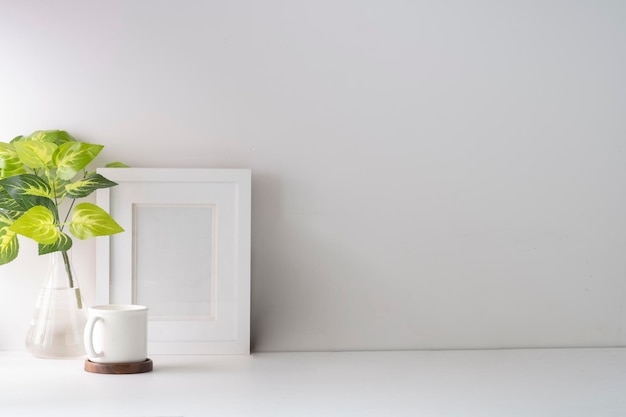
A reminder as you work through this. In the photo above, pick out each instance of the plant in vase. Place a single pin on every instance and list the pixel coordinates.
(41, 177)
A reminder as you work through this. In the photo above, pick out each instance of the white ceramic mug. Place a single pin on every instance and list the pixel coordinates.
(117, 333)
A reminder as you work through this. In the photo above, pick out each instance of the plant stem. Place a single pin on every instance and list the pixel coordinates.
(67, 215)
(68, 269)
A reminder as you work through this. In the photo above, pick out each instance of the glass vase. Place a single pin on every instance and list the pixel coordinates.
(56, 329)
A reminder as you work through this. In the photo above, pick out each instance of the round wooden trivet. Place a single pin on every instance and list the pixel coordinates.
(118, 368)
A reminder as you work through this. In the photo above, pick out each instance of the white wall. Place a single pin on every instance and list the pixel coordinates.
(426, 174)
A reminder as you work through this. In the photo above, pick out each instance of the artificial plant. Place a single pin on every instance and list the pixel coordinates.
(37, 174)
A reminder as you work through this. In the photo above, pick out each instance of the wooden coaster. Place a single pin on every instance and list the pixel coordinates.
(118, 368)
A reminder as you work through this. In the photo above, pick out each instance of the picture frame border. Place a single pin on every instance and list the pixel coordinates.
(241, 180)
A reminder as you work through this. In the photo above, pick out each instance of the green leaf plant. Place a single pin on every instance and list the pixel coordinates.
(37, 174)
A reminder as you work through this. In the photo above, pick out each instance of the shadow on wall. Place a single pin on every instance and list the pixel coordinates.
(311, 287)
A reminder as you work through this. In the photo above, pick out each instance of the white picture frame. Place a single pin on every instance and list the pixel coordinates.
(185, 254)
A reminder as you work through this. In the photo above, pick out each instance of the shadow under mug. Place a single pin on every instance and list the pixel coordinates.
(117, 333)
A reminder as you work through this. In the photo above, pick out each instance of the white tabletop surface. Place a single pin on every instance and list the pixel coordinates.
(498, 383)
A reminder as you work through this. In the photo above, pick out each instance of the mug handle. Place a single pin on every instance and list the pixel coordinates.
(91, 323)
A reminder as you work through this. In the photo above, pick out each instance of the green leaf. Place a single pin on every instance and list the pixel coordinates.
(9, 245)
(116, 165)
(82, 188)
(63, 243)
(35, 154)
(58, 137)
(38, 223)
(59, 188)
(26, 184)
(89, 220)
(71, 157)
(28, 190)
(10, 163)
(8, 203)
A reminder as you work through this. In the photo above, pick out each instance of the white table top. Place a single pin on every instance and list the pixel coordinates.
(498, 383)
